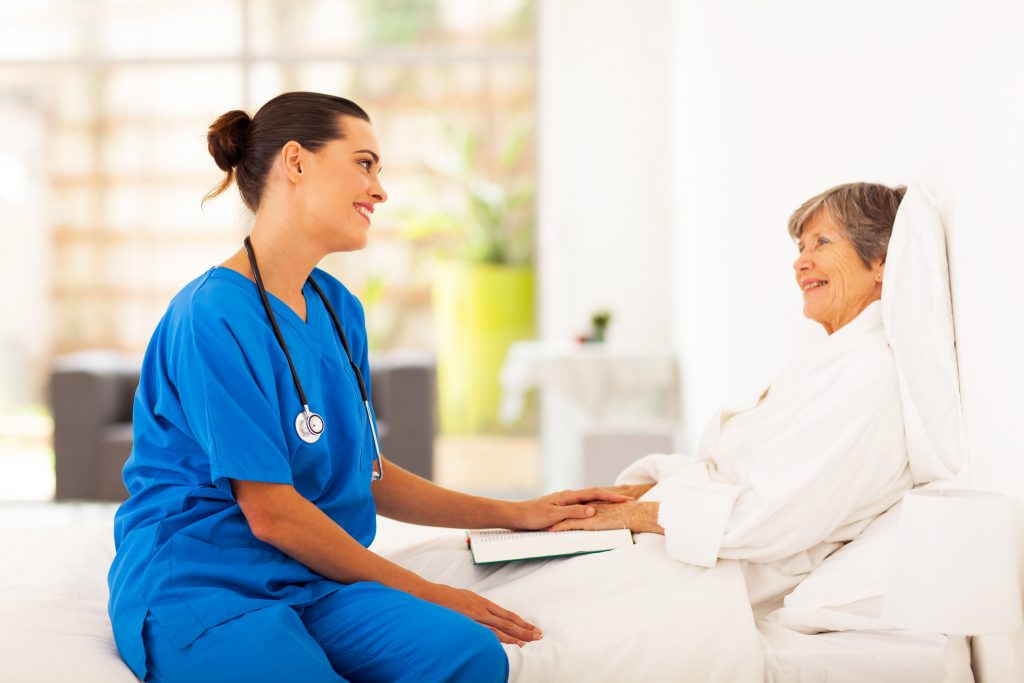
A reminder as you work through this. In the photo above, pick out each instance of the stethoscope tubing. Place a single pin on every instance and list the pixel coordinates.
(273, 321)
(377, 475)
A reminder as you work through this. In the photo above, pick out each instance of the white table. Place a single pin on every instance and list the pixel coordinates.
(585, 387)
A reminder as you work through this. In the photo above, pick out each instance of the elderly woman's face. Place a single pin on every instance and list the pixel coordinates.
(835, 283)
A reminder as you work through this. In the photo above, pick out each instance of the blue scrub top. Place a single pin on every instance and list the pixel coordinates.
(216, 401)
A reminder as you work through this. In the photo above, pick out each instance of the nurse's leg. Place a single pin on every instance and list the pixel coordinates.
(374, 634)
(270, 644)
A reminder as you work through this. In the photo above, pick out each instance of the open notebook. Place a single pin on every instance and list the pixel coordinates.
(502, 545)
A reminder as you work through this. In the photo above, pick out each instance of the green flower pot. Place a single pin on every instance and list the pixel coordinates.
(480, 309)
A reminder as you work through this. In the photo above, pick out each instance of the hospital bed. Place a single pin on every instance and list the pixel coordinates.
(54, 625)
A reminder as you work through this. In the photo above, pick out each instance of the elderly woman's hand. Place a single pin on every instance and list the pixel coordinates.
(553, 508)
(635, 516)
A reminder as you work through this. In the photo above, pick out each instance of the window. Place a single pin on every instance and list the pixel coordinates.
(109, 103)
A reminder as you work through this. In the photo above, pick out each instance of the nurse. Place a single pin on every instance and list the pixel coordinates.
(255, 478)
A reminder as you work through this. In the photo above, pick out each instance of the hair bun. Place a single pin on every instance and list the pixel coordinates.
(226, 138)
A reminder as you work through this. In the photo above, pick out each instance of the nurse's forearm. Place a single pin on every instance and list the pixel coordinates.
(406, 497)
(280, 516)
(403, 496)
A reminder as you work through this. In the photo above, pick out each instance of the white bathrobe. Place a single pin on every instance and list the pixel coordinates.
(779, 483)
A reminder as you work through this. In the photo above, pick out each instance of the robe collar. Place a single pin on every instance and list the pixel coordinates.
(845, 340)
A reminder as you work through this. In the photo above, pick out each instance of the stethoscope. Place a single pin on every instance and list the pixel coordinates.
(309, 425)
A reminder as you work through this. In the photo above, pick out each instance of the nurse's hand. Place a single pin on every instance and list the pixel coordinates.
(551, 509)
(508, 626)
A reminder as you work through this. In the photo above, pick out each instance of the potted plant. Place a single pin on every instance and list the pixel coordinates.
(483, 284)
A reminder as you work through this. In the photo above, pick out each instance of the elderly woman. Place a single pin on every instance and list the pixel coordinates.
(777, 484)
(780, 482)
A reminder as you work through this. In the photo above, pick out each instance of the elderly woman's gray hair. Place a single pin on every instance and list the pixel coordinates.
(864, 211)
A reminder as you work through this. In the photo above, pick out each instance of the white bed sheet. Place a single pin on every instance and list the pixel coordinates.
(54, 626)
(631, 614)
(53, 595)
(793, 657)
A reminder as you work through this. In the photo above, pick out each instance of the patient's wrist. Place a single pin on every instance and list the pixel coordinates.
(644, 518)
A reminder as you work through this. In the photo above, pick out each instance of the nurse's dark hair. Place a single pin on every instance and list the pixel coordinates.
(864, 211)
(245, 147)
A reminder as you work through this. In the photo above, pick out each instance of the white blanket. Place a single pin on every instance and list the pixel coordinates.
(610, 616)
(776, 487)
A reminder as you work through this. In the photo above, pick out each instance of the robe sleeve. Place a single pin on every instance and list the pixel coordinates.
(228, 399)
(687, 491)
(834, 456)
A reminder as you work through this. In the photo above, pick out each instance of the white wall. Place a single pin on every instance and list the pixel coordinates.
(718, 119)
(774, 102)
(984, 216)
(604, 205)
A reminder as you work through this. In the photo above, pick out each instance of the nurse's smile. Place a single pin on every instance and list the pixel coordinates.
(364, 210)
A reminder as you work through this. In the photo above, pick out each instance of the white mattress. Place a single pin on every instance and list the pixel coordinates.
(861, 656)
(54, 626)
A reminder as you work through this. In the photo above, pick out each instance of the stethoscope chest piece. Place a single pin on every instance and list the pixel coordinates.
(309, 426)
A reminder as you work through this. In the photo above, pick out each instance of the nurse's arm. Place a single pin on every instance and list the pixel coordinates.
(406, 497)
(280, 516)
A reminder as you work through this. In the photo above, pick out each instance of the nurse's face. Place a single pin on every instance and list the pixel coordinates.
(342, 187)
(835, 283)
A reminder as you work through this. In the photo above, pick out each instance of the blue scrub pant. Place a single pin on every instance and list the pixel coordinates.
(362, 632)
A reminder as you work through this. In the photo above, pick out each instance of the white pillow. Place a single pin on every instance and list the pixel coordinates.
(855, 572)
(918, 320)
(845, 592)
